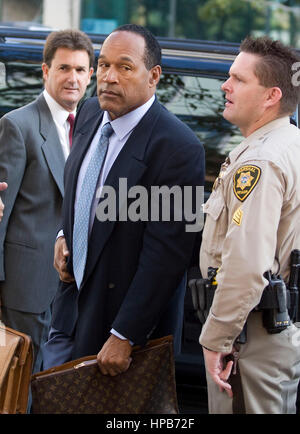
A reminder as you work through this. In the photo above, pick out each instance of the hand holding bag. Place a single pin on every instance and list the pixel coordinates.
(147, 387)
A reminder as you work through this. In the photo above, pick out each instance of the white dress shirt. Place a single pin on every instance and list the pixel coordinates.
(60, 115)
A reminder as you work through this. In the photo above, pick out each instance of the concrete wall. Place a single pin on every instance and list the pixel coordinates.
(61, 14)
(20, 10)
(57, 14)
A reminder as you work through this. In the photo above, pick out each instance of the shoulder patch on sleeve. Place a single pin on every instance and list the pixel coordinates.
(244, 181)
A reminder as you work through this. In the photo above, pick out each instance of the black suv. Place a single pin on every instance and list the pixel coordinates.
(193, 72)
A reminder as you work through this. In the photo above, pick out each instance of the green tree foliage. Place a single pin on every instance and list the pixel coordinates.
(220, 20)
(229, 20)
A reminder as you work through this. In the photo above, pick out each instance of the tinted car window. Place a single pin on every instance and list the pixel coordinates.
(20, 83)
(199, 102)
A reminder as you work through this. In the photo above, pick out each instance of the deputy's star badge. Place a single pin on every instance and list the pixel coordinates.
(244, 181)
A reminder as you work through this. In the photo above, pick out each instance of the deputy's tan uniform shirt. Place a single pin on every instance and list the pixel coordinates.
(252, 225)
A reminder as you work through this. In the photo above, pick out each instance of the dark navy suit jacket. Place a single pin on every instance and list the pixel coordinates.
(134, 269)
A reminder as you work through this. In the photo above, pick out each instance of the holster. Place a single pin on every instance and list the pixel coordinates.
(202, 295)
(274, 304)
(203, 291)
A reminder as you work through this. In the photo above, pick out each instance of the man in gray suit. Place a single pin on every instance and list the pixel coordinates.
(3, 186)
(34, 144)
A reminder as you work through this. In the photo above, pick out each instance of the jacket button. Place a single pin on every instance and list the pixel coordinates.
(111, 285)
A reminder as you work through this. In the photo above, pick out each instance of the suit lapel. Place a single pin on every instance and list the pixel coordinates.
(130, 165)
(51, 147)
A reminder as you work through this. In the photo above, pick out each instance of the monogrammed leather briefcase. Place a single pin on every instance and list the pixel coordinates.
(16, 356)
(148, 386)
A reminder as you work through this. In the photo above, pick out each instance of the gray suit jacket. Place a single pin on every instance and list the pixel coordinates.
(32, 163)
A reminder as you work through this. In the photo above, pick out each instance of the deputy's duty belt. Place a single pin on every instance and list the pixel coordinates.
(279, 302)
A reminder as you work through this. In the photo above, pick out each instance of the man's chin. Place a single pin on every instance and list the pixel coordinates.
(108, 107)
(227, 115)
(69, 104)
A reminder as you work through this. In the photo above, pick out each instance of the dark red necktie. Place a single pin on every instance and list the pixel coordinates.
(71, 119)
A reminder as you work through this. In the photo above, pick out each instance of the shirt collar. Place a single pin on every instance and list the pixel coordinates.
(125, 124)
(258, 135)
(59, 114)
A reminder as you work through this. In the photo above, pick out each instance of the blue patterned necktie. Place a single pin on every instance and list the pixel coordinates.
(84, 203)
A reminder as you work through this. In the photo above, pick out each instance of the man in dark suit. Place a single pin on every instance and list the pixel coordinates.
(34, 144)
(132, 284)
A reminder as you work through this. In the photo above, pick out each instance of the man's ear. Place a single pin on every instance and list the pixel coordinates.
(155, 74)
(90, 74)
(273, 97)
(45, 69)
